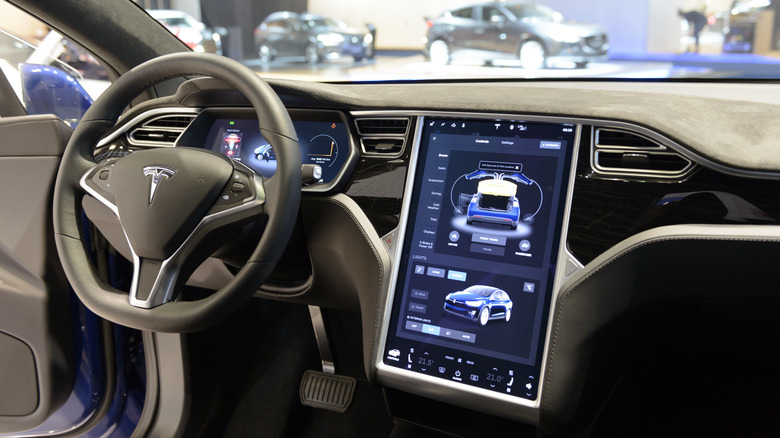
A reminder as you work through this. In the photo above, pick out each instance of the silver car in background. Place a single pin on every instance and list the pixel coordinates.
(534, 34)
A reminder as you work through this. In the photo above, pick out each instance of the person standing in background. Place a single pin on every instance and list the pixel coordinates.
(696, 21)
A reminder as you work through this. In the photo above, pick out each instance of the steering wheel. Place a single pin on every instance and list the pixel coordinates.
(175, 205)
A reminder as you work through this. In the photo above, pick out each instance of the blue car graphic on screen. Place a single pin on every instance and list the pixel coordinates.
(480, 304)
(495, 202)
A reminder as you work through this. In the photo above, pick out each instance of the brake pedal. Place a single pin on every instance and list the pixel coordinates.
(327, 391)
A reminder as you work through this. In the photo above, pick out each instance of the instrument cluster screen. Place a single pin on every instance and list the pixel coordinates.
(324, 141)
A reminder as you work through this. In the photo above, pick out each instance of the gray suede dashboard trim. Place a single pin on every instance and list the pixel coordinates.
(368, 300)
(730, 124)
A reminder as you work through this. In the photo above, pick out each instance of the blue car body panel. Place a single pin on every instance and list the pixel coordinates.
(509, 217)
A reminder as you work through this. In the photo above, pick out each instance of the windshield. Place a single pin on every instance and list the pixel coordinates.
(560, 39)
(321, 22)
(480, 290)
(539, 12)
(342, 41)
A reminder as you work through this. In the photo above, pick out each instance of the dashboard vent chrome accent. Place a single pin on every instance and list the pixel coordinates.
(623, 153)
(160, 131)
(384, 137)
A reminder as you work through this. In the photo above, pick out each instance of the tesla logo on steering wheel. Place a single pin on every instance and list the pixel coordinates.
(158, 173)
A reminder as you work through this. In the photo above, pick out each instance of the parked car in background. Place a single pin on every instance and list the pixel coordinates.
(534, 34)
(195, 34)
(311, 37)
(480, 304)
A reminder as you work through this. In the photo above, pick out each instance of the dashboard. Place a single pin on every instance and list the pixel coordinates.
(499, 251)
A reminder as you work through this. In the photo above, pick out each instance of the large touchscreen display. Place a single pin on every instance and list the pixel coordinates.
(479, 252)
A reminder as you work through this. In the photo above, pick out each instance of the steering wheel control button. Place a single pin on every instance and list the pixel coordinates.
(238, 189)
(99, 182)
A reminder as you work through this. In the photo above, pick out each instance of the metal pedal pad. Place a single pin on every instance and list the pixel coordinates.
(327, 391)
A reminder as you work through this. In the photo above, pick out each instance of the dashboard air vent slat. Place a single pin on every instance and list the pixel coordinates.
(641, 161)
(160, 131)
(618, 152)
(171, 122)
(155, 136)
(382, 145)
(623, 139)
(384, 137)
(383, 126)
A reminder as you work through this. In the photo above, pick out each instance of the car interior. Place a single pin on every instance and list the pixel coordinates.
(210, 252)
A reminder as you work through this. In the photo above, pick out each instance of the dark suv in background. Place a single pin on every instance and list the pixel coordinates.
(534, 34)
(310, 36)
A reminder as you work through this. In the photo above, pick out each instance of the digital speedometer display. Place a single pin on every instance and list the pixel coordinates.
(323, 138)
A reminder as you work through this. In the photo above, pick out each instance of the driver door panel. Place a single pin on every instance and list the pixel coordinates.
(35, 333)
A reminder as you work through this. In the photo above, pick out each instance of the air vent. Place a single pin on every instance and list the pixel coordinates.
(383, 136)
(626, 154)
(382, 146)
(160, 131)
(390, 126)
(623, 139)
(170, 122)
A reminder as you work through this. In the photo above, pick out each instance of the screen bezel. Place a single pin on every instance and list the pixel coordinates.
(441, 389)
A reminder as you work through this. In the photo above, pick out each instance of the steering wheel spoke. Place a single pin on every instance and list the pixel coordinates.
(153, 283)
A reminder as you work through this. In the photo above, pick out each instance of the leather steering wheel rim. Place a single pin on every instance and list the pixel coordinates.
(281, 204)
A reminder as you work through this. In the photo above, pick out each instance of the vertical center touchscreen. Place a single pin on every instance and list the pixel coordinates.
(479, 252)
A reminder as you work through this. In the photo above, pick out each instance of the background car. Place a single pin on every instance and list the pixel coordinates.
(480, 303)
(313, 37)
(195, 34)
(534, 34)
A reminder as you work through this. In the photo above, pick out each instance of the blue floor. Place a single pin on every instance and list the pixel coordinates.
(727, 58)
(722, 65)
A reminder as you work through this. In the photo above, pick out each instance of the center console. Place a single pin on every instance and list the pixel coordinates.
(481, 234)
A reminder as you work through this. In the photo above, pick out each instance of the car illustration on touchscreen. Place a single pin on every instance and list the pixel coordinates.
(495, 202)
(479, 303)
